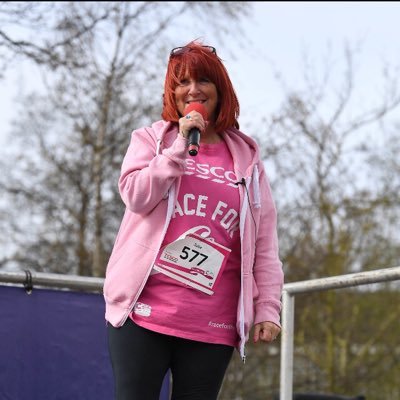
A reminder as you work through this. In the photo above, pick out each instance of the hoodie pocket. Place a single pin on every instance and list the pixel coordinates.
(127, 272)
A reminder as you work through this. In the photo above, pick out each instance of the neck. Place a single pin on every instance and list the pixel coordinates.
(210, 136)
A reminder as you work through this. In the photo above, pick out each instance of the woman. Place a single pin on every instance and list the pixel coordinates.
(195, 263)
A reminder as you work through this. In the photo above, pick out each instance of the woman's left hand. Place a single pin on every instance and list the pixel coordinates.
(266, 332)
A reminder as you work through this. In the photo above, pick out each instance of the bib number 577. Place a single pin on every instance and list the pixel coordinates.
(193, 254)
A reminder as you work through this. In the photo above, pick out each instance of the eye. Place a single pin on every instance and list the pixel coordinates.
(204, 79)
(184, 82)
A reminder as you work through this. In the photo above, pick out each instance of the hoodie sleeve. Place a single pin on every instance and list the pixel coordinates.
(268, 273)
(147, 176)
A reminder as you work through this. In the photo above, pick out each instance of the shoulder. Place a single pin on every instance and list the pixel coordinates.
(243, 147)
(156, 129)
(154, 133)
(242, 140)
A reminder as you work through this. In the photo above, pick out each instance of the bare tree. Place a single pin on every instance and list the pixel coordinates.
(333, 221)
(101, 64)
(61, 209)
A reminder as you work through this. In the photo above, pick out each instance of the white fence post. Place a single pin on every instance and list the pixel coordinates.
(286, 376)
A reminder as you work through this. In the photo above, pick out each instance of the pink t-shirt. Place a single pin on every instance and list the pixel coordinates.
(207, 205)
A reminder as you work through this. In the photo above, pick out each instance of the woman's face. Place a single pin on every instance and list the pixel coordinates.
(201, 91)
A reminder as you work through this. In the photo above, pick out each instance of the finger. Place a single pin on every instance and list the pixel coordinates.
(265, 335)
(186, 124)
(256, 336)
(268, 335)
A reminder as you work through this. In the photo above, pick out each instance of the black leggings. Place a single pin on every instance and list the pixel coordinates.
(140, 359)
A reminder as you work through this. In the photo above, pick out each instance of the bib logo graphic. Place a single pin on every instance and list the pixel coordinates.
(221, 325)
(142, 309)
(215, 174)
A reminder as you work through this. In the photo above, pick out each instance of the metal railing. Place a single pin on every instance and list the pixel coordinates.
(291, 289)
(88, 284)
(40, 279)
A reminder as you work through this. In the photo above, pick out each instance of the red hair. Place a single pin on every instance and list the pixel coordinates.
(200, 62)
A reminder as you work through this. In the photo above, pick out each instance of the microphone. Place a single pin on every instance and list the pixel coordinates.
(194, 133)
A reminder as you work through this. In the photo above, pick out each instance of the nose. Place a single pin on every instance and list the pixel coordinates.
(193, 87)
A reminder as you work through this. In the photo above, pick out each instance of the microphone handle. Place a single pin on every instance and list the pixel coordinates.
(194, 141)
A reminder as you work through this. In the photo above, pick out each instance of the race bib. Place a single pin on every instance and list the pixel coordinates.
(193, 260)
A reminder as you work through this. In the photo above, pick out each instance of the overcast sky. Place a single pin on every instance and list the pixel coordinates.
(280, 33)
(283, 31)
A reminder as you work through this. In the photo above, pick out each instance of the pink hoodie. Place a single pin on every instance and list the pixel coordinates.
(149, 184)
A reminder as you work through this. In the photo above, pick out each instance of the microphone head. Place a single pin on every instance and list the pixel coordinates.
(196, 107)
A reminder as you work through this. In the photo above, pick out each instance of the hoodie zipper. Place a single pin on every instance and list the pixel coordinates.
(243, 212)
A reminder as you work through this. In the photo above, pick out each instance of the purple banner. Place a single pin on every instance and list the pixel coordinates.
(53, 345)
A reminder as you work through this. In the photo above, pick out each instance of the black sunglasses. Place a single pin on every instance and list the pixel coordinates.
(177, 51)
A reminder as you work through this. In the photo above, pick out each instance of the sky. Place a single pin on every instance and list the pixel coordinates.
(280, 33)
(284, 31)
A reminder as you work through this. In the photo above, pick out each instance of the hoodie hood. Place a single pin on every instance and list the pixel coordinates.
(245, 154)
(248, 156)
(166, 133)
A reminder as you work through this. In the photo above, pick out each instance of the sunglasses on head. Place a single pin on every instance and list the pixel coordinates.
(177, 51)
